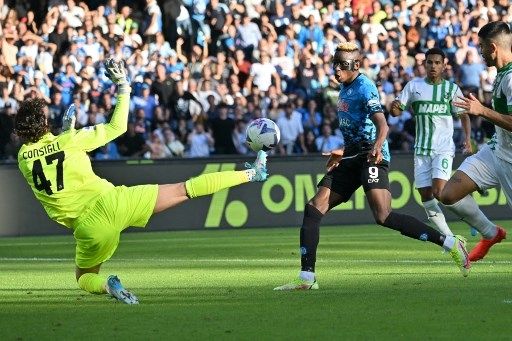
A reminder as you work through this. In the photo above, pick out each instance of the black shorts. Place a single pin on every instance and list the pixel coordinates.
(352, 173)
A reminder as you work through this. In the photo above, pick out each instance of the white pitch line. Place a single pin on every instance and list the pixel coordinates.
(245, 260)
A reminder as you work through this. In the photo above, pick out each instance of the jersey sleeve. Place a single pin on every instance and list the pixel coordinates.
(455, 96)
(372, 99)
(405, 96)
(90, 138)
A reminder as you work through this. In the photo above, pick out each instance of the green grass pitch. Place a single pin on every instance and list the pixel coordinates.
(209, 285)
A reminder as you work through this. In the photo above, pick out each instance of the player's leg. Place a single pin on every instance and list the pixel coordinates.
(476, 172)
(97, 237)
(314, 211)
(428, 183)
(89, 280)
(379, 201)
(376, 186)
(503, 171)
(174, 194)
(335, 187)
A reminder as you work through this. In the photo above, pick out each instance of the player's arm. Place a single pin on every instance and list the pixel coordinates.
(466, 126)
(379, 119)
(467, 147)
(473, 107)
(401, 102)
(89, 139)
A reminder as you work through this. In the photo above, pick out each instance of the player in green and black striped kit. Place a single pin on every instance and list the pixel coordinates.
(431, 101)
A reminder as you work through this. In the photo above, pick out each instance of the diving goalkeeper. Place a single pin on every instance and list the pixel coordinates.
(59, 172)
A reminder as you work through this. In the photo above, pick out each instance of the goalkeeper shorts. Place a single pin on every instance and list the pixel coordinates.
(97, 232)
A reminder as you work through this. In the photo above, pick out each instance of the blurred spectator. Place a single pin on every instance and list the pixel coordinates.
(469, 74)
(310, 142)
(262, 73)
(145, 102)
(311, 118)
(8, 107)
(157, 148)
(107, 152)
(487, 78)
(65, 82)
(200, 142)
(250, 35)
(223, 127)
(174, 147)
(132, 144)
(153, 20)
(240, 137)
(328, 142)
(292, 131)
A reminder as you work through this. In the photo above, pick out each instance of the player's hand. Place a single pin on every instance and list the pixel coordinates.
(467, 147)
(69, 118)
(471, 105)
(334, 160)
(395, 105)
(115, 71)
(375, 155)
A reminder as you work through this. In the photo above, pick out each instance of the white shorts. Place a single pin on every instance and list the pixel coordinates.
(427, 168)
(488, 171)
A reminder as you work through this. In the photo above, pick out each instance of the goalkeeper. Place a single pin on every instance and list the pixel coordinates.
(59, 172)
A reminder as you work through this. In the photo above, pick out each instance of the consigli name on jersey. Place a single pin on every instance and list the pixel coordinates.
(51, 148)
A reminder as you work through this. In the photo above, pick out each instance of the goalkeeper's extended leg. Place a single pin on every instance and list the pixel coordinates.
(205, 184)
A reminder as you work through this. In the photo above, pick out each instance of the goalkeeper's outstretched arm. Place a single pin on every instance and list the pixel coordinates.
(119, 121)
(89, 139)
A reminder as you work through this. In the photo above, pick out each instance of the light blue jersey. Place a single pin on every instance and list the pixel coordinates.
(357, 102)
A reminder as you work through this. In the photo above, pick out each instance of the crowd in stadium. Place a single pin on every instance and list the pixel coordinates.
(202, 69)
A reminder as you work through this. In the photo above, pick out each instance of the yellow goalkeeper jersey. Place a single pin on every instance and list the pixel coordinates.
(59, 171)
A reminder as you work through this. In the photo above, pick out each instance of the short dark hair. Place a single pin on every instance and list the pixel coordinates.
(437, 51)
(30, 122)
(494, 29)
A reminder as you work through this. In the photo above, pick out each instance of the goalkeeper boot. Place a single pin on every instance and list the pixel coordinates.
(259, 166)
(483, 246)
(299, 284)
(460, 255)
(116, 289)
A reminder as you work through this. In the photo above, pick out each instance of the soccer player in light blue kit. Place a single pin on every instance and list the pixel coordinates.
(364, 161)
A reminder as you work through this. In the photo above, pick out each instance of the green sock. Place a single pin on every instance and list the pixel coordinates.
(213, 182)
(93, 283)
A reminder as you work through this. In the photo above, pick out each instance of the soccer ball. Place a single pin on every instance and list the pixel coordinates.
(262, 134)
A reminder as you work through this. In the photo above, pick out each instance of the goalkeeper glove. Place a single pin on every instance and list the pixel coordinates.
(69, 118)
(116, 72)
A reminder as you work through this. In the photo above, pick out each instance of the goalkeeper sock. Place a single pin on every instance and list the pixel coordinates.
(213, 182)
(436, 216)
(413, 228)
(93, 283)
